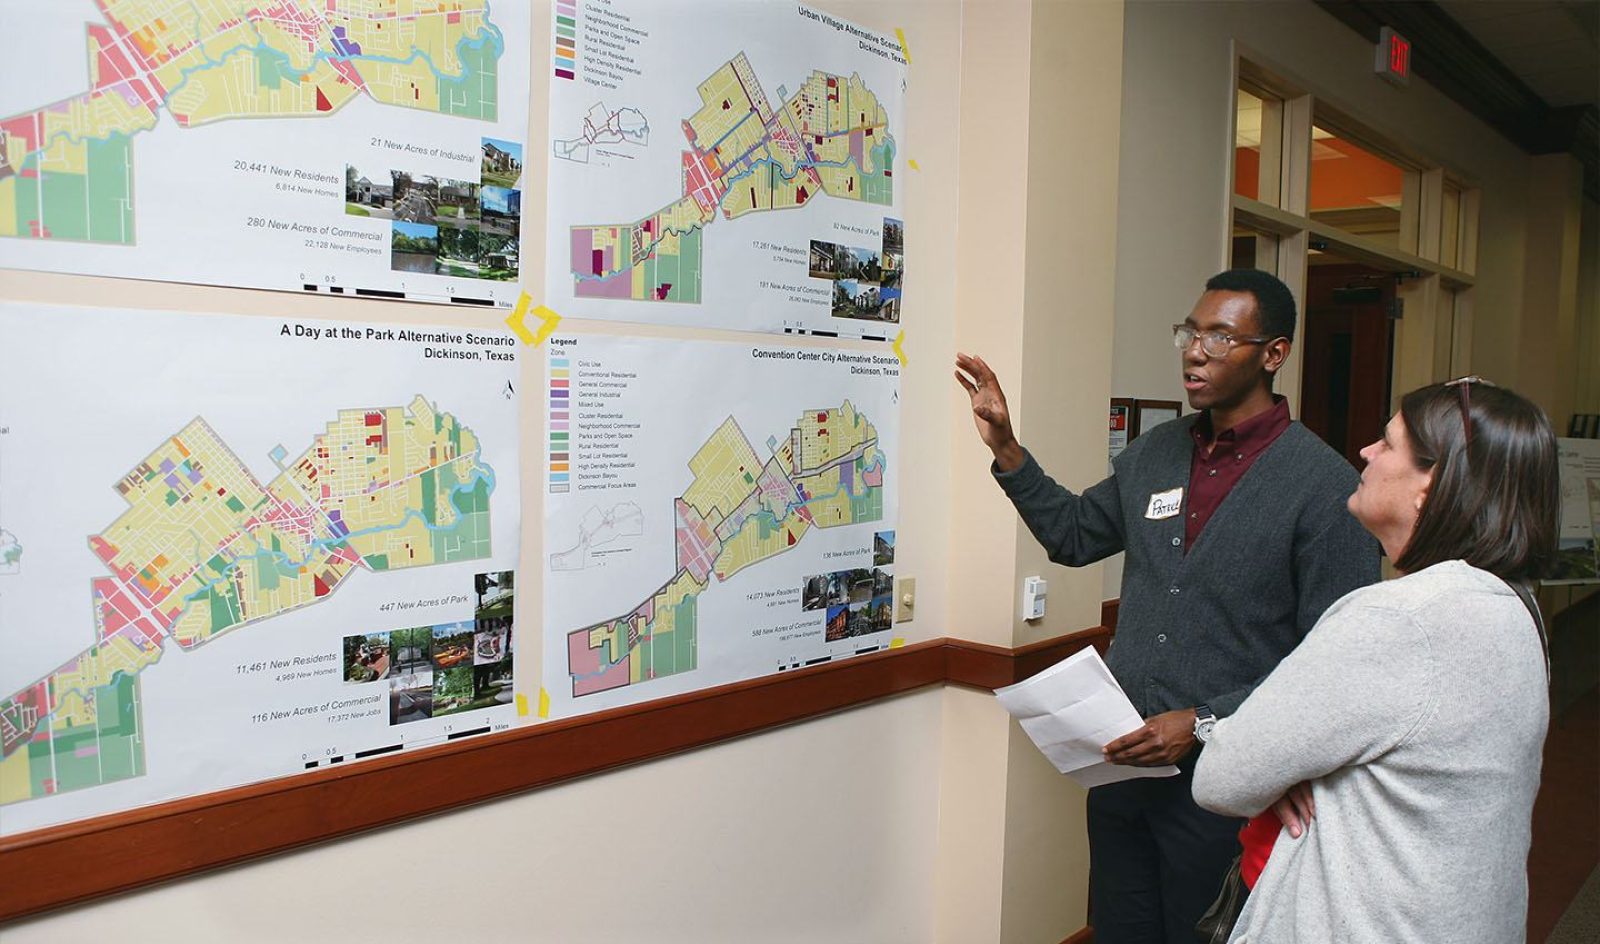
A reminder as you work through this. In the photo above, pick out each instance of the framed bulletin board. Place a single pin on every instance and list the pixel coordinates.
(1148, 414)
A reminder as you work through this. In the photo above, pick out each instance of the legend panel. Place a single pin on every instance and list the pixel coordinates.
(560, 418)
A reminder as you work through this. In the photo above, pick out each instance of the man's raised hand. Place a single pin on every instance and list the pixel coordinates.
(989, 411)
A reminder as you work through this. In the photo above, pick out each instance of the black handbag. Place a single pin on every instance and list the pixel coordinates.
(1216, 925)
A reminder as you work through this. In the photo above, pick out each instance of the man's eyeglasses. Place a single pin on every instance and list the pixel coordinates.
(1464, 385)
(1213, 343)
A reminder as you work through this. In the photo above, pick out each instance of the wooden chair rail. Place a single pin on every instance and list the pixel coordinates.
(75, 862)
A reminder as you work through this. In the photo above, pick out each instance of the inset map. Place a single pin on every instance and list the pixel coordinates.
(603, 126)
(599, 528)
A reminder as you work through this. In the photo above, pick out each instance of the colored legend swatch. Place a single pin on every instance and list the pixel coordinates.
(560, 435)
(566, 48)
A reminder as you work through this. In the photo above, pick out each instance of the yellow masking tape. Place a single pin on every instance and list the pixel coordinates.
(522, 705)
(899, 339)
(544, 702)
(900, 34)
(547, 323)
(517, 314)
(897, 642)
(518, 321)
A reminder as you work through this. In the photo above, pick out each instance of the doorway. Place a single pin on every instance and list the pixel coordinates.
(1348, 352)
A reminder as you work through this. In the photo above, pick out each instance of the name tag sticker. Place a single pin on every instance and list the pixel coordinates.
(1165, 504)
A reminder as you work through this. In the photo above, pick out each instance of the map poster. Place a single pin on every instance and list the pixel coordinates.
(714, 511)
(726, 164)
(329, 146)
(1578, 555)
(242, 548)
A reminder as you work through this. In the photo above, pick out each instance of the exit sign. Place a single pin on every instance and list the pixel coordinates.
(1393, 61)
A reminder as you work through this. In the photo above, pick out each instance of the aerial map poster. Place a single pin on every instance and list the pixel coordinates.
(1578, 556)
(331, 146)
(726, 164)
(714, 511)
(243, 548)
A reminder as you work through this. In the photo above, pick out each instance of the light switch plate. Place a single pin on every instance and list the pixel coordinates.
(905, 599)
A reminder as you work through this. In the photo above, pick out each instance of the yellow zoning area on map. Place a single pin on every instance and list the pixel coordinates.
(667, 253)
(203, 549)
(66, 167)
(184, 500)
(634, 243)
(91, 670)
(832, 504)
(372, 468)
(830, 137)
(833, 106)
(823, 438)
(213, 549)
(231, 58)
(826, 472)
(758, 537)
(760, 513)
(233, 87)
(833, 129)
(617, 638)
(78, 119)
(678, 217)
(734, 111)
(391, 29)
(725, 470)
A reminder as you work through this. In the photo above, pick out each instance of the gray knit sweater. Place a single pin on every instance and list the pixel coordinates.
(1204, 627)
(1418, 709)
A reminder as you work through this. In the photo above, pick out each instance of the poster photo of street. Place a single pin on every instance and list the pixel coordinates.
(866, 282)
(444, 226)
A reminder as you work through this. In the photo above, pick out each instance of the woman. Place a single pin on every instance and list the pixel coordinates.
(1416, 709)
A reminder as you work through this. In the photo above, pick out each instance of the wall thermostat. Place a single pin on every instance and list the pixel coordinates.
(1033, 594)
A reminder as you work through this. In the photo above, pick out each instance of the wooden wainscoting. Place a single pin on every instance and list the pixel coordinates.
(75, 862)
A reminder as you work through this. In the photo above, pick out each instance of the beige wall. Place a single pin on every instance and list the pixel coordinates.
(1547, 364)
(1586, 391)
(1066, 377)
(981, 535)
(1034, 291)
(989, 296)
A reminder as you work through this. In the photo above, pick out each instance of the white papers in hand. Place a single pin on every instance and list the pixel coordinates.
(1072, 710)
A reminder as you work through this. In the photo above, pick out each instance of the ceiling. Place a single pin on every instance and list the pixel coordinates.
(1530, 69)
(1552, 45)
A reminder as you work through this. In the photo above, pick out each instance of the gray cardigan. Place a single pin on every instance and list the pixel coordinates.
(1418, 710)
(1205, 627)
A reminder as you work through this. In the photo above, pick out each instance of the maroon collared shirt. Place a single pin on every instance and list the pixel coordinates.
(1212, 476)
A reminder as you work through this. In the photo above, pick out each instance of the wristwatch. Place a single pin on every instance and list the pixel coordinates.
(1204, 720)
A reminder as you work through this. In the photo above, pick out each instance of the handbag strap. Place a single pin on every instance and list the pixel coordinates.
(1525, 593)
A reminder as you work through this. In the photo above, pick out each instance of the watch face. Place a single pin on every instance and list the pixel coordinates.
(1202, 729)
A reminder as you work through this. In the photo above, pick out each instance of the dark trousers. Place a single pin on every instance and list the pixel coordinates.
(1156, 860)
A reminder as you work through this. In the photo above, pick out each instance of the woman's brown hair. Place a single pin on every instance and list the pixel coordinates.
(1495, 501)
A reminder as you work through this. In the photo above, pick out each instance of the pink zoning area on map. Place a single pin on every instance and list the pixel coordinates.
(588, 675)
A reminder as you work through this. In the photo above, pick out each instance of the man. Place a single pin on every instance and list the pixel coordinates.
(1237, 538)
